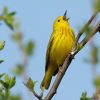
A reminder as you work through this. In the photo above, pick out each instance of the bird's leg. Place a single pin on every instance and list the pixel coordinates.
(42, 91)
(41, 95)
(71, 53)
(74, 49)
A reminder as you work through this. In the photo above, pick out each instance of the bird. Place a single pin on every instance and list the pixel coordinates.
(59, 46)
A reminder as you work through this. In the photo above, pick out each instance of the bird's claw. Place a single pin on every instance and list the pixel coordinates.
(60, 70)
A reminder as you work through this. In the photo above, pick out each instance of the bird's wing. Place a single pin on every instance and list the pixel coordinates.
(48, 51)
(73, 35)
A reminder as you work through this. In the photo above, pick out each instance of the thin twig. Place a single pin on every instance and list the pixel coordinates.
(39, 97)
(94, 30)
(36, 95)
(86, 26)
(25, 57)
(80, 33)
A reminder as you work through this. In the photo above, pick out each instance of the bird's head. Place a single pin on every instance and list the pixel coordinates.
(60, 22)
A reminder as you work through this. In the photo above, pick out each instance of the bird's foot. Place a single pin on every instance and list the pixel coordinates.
(60, 70)
(41, 95)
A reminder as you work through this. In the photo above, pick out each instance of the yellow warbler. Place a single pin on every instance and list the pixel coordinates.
(60, 44)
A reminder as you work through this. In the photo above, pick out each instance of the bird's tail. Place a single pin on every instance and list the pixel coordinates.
(46, 80)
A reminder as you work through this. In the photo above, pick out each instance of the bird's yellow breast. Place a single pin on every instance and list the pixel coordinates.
(61, 46)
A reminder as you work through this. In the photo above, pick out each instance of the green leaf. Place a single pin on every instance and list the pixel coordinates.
(79, 47)
(17, 37)
(1, 61)
(9, 24)
(6, 78)
(8, 18)
(9, 21)
(12, 13)
(18, 70)
(29, 48)
(97, 82)
(1, 75)
(94, 55)
(96, 5)
(30, 84)
(12, 82)
(15, 97)
(1, 18)
(4, 84)
(84, 96)
(5, 10)
(6, 81)
(2, 44)
(9, 81)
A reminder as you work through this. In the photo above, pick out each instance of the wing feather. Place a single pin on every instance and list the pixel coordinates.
(48, 51)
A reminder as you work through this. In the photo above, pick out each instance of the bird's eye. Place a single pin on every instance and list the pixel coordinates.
(58, 20)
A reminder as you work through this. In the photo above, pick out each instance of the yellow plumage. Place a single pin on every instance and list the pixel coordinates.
(60, 44)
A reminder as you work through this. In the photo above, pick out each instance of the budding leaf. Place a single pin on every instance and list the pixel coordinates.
(18, 70)
(12, 13)
(8, 18)
(1, 61)
(29, 48)
(5, 10)
(96, 5)
(15, 97)
(94, 55)
(1, 75)
(17, 37)
(12, 82)
(84, 96)
(30, 84)
(9, 81)
(2, 44)
(97, 82)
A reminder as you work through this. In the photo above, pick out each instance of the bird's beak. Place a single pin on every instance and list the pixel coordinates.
(64, 17)
(65, 14)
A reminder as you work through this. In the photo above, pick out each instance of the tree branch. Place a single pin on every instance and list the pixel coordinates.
(30, 84)
(39, 97)
(85, 26)
(93, 32)
(69, 58)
